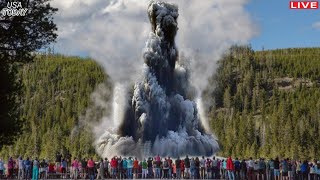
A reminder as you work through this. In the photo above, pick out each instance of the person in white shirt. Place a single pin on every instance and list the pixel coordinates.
(250, 168)
(215, 169)
(21, 168)
(202, 167)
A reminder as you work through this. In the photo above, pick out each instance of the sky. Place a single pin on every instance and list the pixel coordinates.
(282, 27)
(276, 25)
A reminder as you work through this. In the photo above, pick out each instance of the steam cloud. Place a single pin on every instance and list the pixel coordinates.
(159, 118)
(113, 32)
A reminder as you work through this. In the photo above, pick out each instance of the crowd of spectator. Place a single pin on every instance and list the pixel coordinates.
(160, 168)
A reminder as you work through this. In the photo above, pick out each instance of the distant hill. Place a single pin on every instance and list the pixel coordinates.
(56, 92)
(267, 103)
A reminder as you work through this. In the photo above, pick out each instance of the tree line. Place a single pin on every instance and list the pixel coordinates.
(267, 103)
(55, 95)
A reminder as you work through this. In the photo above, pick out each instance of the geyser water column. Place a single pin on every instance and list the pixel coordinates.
(161, 116)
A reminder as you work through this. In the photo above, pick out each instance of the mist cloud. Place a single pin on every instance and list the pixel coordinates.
(316, 25)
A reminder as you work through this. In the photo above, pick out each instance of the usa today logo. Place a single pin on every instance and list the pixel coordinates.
(14, 9)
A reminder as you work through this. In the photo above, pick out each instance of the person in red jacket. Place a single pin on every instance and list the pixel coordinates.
(182, 169)
(230, 168)
(114, 165)
(136, 168)
(91, 170)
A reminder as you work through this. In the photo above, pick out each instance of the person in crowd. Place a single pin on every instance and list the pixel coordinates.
(154, 168)
(304, 170)
(10, 166)
(67, 158)
(192, 168)
(277, 169)
(1, 168)
(91, 170)
(124, 167)
(64, 167)
(202, 167)
(27, 170)
(58, 160)
(298, 170)
(294, 169)
(214, 168)
(161, 167)
(197, 168)
(174, 171)
(129, 168)
(256, 169)
(113, 165)
(270, 169)
(208, 168)
(140, 170)
(46, 168)
(43, 169)
(170, 167)
(318, 170)
(157, 167)
(136, 168)
(313, 170)
(250, 169)
(150, 167)
(182, 166)
(219, 165)
(230, 168)
(224, 168)
(119, 168)
(290, 169)
(35, 170)
(106, 167)
(21, 168)
(144, 166)
(187, 167)
(178, 168)
(51, 168)
(243, 169)
(165, 168)
(84, 168)
(262, 167)
(237, 167)
(74, 168)
(284, 169)
(100, 169)
(16, 167)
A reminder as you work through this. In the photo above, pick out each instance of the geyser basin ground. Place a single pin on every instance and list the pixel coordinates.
(160, 115)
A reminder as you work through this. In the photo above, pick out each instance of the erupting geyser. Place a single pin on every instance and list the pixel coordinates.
(160, 116)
